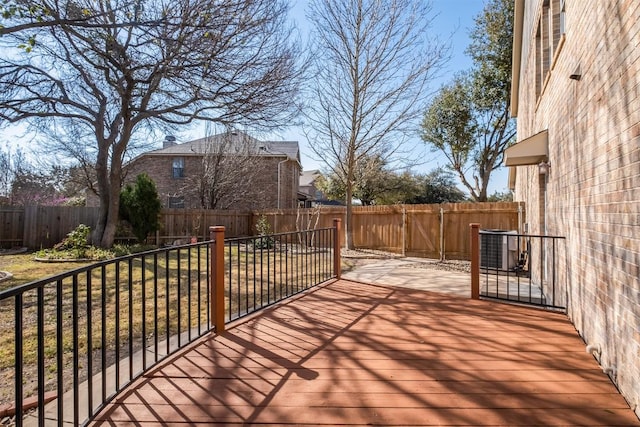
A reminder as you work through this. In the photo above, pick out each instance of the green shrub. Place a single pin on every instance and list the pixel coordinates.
(77, 238)
(140, 206)
(75, 246)
(122, 250)
(264, 229)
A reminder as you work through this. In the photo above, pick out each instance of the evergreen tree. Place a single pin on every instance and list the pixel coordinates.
(140, 206)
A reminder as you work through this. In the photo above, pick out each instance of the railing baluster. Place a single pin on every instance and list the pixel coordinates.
(167, 302)
(261, 281)
(179, 299)
(199, 248)
(238, 280)
(553, 272)
(103, 338)
(89, 347)
(189, 293)
(59, 351)
(227, 249)
(155, 306)
(268, 273)
(255, 298)
(74, 317)
(279, 252)
(143, 304)
(207, 294)
(246, 274)
(18, 358)
(130, 325)
(117, 327)
(41, 355)
(286, 265)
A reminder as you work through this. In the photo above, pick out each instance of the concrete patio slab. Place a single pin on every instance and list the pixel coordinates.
(410, 273)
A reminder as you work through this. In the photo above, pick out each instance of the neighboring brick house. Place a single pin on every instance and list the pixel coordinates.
(576, 94)
(308, 188)
(255, 174)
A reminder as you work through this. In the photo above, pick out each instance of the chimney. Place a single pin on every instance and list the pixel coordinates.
(169, 141)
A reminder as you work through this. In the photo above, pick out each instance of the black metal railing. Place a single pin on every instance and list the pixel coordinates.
(522, 268)
(266, 269)
(86, 334)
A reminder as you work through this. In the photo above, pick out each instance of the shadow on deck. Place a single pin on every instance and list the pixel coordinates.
(349, 353)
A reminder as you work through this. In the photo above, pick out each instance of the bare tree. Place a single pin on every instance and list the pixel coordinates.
(229, 167)
(42, 14)
(6, 173)
(307, 219)
(373, 60)
(101, 87)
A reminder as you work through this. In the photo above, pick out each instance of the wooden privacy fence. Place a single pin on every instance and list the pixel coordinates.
(430, 231)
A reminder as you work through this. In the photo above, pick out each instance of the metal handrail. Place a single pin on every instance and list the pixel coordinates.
(294, 262)
(90, 332)
(523, 268)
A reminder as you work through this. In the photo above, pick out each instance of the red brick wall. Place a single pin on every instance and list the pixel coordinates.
(262, 191)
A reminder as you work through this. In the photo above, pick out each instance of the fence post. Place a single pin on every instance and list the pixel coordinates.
(475, 260)
(337, 266)
(404, 231)
(442, 253)
(216, 279)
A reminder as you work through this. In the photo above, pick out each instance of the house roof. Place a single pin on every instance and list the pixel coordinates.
(308, 177)
(200, 146)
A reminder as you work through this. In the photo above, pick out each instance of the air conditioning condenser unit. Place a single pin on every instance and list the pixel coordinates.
(499, 249)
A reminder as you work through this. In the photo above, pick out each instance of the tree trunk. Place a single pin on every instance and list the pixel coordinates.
(102, 176)
(111, 223)
(348, 225)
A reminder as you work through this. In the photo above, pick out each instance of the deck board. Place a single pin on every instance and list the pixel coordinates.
(354, 354)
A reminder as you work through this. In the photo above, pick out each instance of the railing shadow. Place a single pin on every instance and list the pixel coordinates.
(354, 353)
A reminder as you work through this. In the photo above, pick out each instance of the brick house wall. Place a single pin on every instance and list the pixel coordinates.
(273, 182)
(591, 194)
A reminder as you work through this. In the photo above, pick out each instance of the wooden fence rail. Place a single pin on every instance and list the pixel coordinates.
(430, 231)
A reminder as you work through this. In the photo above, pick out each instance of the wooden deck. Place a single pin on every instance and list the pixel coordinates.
(354, 354)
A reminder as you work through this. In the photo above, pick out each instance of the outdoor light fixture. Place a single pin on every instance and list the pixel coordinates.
(577, 74)
(543, 168)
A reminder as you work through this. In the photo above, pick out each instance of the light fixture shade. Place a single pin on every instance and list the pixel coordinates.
(543, 168)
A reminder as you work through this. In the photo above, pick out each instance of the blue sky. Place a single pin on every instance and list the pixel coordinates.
(454, 19)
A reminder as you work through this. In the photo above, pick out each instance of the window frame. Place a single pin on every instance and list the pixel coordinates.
(177, 167)
(176, 202)
(548, 42)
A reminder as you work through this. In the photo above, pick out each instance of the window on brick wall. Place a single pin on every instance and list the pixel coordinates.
(556, 28)
(562, 17)
(545, 40)
(176, 202)
(551, 23)
(538, 68)
(178, 167)
(548, 40)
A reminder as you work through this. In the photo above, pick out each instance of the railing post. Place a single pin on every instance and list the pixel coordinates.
(475, 260)
(337, 264)
(216, 279)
